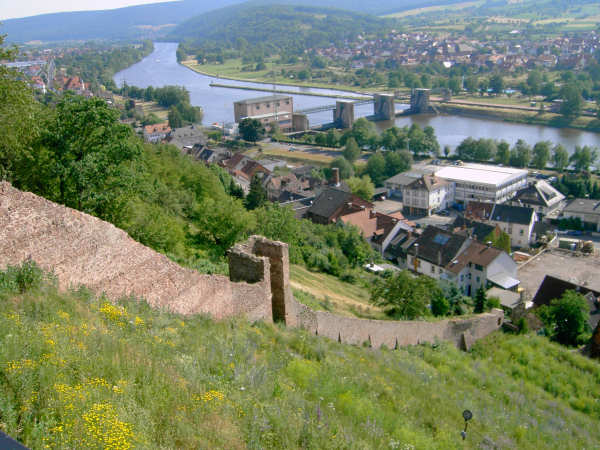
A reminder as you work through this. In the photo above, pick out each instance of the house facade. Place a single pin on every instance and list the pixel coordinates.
(541, 197)
(426, 195)
(587, 210)
(517, 221)
(461, 261)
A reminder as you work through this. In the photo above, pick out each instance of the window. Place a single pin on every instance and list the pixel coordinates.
(521, 232)
(257, 107)
(432, 268)
(268, 105)
(478, 279)
(478, 267)
(462, 277)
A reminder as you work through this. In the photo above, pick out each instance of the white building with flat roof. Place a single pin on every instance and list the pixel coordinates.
(483, 182)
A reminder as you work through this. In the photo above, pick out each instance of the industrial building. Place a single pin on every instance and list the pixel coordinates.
(483, 182)
(269, 109)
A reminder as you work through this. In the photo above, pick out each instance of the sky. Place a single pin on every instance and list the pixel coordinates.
(10, 9)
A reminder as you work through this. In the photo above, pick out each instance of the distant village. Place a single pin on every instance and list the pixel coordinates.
(415, 48)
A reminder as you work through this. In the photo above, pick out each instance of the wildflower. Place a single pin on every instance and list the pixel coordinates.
(139, 322)
(19, 366)
(104, 429)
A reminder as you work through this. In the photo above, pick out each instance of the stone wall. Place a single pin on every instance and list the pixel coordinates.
(394, 334)
(83, 250)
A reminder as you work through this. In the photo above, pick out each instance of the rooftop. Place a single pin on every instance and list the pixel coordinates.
(266, 98)
(583, 205)
(481, 174)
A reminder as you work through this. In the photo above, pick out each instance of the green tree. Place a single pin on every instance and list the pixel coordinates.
(471, 84)
(440, 306)
(520, 154)
(90, 154)
(497, 83)
(362, 131)
(541, 154)
(534, 82)
(376, 168)
(396, 162)
(257, 195)
(363, 187)
(572, 101)
(405, 296)
(333, 138)
(175, 119)
(346, 170)
(499, 239)
(502, 153)
(251, 129)
(480, 301)
(560, 157)
(567, 317)
(583, 157)
(351, 151)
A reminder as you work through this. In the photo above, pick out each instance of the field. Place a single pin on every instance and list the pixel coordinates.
(232, 69)
(79, 372)
(430, 9)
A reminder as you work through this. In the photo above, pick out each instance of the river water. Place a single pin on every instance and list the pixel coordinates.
(161, 68)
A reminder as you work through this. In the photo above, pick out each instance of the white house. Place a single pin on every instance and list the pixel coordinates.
(517, 221)
(462, 261)
(427, 194)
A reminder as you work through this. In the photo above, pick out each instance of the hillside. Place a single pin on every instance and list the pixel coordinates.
(290, 28)
(143, 21)
(154, 20)
(96, 375)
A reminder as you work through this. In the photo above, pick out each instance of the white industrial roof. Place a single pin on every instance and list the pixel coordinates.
(480, 174)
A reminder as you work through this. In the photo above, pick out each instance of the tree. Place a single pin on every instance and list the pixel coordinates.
(480, 301)
(534, 82)
(497, 83)
(363, 187)
(541, 154)
(583, 157)
(362, 131)
(90, 153)
(499, 239)
(175, 119)
(572, 101)
(471, 84)
(251, 129)
(406, 296)
(566, 317)
(351, 151)
(440, 306)
(333, 137)
(376, 168)
(346, 170)
(520, 154)
(560, 157)
(257, 195)
(502, 153)
(396, 162)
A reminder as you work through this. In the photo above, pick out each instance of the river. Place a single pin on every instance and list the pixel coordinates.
(161, 68)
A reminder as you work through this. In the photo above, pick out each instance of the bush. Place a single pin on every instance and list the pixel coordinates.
(21, 279)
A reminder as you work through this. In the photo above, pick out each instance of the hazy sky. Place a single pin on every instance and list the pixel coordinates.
(10, 9)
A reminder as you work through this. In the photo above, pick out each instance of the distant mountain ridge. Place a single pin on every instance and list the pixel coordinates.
(155, 20)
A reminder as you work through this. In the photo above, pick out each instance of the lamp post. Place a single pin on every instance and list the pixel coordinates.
(467, 415)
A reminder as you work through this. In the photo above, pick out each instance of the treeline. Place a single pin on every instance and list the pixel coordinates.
(522, 154)
(175, 98)
(255, 32)
(98, 63)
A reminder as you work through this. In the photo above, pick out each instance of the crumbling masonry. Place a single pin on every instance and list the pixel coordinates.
(83, 250)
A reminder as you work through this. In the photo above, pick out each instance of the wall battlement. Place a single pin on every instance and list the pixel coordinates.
(83, 250)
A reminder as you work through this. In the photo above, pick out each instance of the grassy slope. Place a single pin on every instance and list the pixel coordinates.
(78, 372)
(326, 292)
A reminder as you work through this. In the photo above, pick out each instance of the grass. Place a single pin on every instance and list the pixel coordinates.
(430, 9)
(325, 292)
(232, 69)
(79, 372)
(297, 155)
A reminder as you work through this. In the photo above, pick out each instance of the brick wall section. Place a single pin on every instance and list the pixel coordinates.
(393, 334)
(83, 250)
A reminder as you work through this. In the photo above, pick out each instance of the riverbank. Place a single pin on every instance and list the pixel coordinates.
(517, 115)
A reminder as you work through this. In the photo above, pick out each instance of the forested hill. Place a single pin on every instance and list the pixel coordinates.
(287, 28)
(143, 21)
(155, 20)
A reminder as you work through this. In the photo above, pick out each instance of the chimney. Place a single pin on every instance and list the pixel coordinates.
(336, 176)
